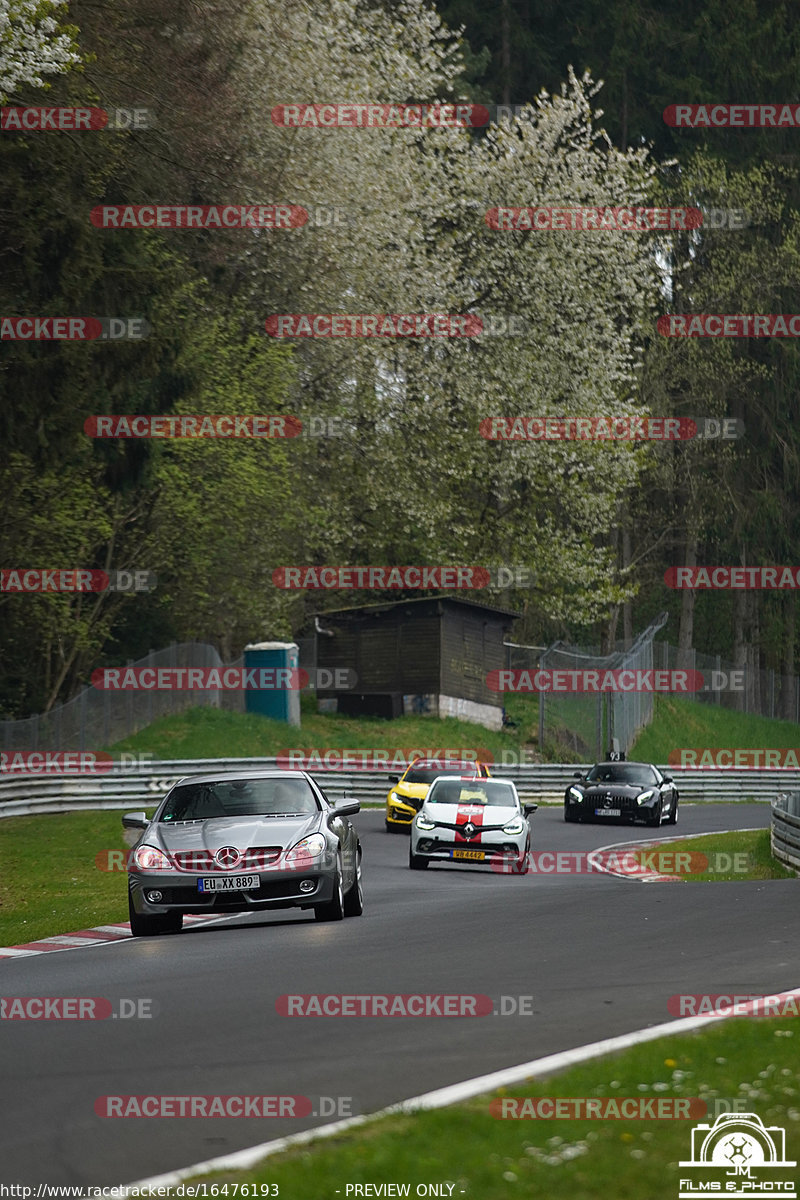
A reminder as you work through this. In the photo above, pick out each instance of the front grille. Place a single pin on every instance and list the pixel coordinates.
(257, 858)
(609, 800)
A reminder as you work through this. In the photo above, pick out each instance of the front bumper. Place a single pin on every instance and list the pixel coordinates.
(401, 814)
(277, 889)
(629, 808)
(440, 846)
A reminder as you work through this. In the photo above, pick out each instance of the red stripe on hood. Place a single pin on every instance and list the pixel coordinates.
(469, 812)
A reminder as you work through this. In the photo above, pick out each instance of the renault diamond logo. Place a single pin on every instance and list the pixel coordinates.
(469, 830)
(227, 857)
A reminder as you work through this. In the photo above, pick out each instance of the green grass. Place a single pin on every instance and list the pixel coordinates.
(752, 847)
(219, 733)
(682, 724)
(49, 880)
(751, 1060)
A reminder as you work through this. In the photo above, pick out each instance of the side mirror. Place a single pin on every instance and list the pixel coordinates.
(529, 809)
(346, 808)
(135, 820)
(394, 779)
(577, 775)
(667, 779)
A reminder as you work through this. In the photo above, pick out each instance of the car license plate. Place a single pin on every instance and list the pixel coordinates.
(473, 855)
(608, 812)
(227, 883)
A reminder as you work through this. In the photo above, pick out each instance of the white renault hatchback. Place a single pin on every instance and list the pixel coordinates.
(473, 821)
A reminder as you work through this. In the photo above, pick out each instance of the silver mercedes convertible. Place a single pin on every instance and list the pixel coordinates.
(243, 842)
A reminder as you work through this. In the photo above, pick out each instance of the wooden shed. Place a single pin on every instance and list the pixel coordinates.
(428, 655)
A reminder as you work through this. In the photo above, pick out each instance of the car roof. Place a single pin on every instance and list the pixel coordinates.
(614, 762)
(436, 763)
(229, 776)
(470, 779)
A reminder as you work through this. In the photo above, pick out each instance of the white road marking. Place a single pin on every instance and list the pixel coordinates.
(454, 1094)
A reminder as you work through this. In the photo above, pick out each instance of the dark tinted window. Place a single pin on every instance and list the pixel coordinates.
(240, 798)
(481, 791)
(428, 774)
(636, 773)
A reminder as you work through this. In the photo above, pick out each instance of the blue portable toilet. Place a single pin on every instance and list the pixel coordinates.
(281, 703)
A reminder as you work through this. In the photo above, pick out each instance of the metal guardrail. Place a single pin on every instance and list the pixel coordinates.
(145, 786)
(785, 830)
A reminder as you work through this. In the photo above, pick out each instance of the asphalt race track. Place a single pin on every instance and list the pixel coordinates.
(599, 955)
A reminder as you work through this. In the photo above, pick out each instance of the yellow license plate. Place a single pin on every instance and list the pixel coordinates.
(474, 855)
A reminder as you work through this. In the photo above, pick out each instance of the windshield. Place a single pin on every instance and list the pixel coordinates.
(454, 791)
(428, 774)
(635, 773)
(240, 798)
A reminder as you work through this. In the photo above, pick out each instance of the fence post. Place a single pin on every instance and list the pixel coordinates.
(82, 722)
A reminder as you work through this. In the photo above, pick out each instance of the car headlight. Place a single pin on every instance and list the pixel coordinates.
(645, 796)
(574, 794)
(516, 825)
(394, 798)
(150, 858)
(424, 823)
(306, 849)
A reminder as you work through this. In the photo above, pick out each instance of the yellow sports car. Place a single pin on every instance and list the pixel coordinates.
(409, 790)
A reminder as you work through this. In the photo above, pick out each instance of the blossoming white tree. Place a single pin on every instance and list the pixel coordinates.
(33, 44)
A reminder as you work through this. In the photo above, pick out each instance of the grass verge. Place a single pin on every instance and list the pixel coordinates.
(687, 724)
(49, 878)
(740, 855)
(747, 1063)
(219, 733)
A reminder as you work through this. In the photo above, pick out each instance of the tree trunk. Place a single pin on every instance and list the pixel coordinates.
(786, 709)
(627, 608)
(739, 644)
(686, 631)
(505, 50)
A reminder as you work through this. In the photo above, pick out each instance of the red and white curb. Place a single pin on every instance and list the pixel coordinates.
(83, 939)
